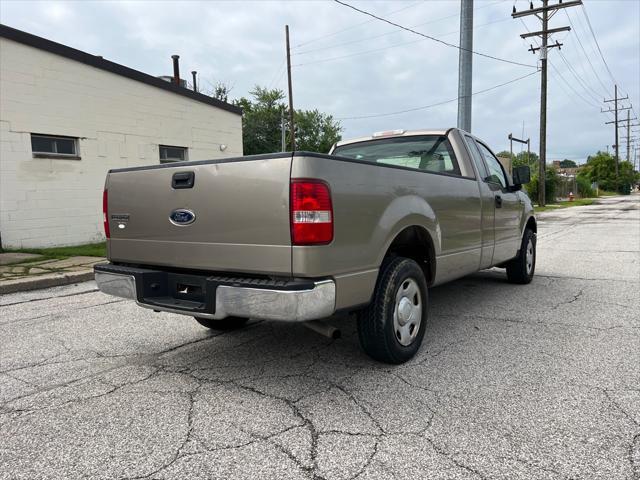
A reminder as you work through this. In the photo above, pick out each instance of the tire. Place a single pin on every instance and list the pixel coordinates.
(401, 291)
(225, 324)
(522, 268)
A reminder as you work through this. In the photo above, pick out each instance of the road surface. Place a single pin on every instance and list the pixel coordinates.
(539, 381)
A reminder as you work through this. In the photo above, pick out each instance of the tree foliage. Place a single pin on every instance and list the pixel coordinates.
(551, 183)
(601, 168)
(262, 130)
(522, 158)
(568, 164)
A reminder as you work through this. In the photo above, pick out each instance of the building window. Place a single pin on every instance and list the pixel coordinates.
(170, 154)
(49, 146)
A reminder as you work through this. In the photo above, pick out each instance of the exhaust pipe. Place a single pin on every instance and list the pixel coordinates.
(176, 69)
(193, 74)
(323, 328)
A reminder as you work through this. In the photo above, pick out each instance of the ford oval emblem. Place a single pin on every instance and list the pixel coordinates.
(182, 217)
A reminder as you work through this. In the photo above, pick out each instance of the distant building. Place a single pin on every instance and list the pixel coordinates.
(67, 117)
(571, 171)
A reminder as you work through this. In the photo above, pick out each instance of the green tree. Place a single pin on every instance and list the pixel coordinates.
(601, 168)
(316, 131)
(551, 182)
(262, 130)
(524, 158)
(568, 164)
(521, 158)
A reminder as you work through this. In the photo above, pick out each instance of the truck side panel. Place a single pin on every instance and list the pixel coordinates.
(372, 204)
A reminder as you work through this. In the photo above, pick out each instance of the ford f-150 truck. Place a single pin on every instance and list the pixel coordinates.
(300, 236)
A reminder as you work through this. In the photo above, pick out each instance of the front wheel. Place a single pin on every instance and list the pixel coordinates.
(392, 327)
(521, 269)
(229, 323)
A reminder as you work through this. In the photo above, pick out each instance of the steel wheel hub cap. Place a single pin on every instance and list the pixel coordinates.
(407, 314)
(529, 256)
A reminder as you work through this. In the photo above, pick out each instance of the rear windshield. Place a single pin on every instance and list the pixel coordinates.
(430, 153)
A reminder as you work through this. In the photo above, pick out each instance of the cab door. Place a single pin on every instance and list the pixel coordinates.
(508, 209)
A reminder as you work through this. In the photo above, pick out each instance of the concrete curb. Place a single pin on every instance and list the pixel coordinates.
(45, 281)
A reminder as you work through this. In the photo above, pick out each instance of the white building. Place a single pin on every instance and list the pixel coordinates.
(67, 117)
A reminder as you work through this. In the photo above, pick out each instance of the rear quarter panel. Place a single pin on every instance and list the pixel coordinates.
(372, 204)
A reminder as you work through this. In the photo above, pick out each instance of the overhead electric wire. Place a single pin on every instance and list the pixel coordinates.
(455, 15)
(432, 38)
(586, 15)
(393, 12)
(559, 74)
(575, 31)
(424, 107)
(392, 33)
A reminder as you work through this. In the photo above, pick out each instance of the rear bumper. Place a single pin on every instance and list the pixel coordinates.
(217, 297)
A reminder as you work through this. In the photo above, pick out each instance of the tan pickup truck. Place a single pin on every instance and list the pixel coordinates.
(301, 236)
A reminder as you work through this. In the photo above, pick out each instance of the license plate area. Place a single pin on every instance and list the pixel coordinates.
(178, 291)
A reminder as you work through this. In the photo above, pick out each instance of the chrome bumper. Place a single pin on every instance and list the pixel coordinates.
(260, 303)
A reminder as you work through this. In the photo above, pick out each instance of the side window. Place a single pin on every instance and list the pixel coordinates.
(477, 157)
(496, 173)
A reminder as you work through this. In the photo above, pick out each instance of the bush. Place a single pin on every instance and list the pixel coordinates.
(584, 187)
(550, 184)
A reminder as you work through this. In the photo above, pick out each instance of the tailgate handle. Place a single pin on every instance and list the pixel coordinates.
(183, 180)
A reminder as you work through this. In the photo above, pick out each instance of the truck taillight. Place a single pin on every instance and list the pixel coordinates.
(311, 213)
(105, 213)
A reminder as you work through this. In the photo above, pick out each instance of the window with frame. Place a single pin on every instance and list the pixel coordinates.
(54, 146)
(496, 172)
(430, 153)
(170, 154)
(476, 156)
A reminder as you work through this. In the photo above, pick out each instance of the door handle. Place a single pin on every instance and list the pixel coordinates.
(498, 201)
(183, 180)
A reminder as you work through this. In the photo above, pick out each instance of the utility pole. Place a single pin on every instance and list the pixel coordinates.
(615, 101)
(465, 65)
(283, 140)
(544, 13)
(292, 129)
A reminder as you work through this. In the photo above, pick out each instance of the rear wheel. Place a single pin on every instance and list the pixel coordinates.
(392, 327)
(521, 269)
(229, 323)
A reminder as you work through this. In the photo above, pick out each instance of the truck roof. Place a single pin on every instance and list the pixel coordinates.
(394, 133)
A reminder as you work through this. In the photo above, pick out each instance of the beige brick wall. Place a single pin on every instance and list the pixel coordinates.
(120, 123)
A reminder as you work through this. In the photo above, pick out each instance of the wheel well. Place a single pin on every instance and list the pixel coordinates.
(415, 242)
(531, 225)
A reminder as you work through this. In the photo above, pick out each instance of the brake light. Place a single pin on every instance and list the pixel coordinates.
(105, 213)
(311, 213)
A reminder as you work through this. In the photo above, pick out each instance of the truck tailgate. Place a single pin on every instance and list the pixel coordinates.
(241, 209)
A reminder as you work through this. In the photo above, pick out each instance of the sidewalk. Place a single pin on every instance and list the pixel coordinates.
(24, 271)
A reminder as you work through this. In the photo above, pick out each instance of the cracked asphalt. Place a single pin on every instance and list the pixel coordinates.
(512, 382)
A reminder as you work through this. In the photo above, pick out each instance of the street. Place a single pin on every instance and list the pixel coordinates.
(539, 381)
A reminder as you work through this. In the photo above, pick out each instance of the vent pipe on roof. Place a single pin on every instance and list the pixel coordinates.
(195, 87)
(176, 69)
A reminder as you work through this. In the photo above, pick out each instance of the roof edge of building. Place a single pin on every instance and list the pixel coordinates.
(112, 67)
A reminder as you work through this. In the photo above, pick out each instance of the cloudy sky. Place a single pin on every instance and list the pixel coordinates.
(362, 70)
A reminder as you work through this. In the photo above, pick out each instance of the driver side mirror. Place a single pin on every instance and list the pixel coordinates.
(521, 175)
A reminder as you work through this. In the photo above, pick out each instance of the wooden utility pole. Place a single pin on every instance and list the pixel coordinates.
(544, 13)
(292, 129)
(615, 110)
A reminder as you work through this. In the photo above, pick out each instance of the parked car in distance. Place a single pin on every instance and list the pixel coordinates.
(299, 236)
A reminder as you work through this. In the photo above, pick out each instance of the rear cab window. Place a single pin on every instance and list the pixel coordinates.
(429, 153)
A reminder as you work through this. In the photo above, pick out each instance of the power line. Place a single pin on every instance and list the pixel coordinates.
(430, 37)
(396, 31)
(584, 51)
(424, 107)
(586, 15)
(393, 12)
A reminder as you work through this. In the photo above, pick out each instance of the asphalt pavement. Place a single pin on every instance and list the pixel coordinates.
(538, 382)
